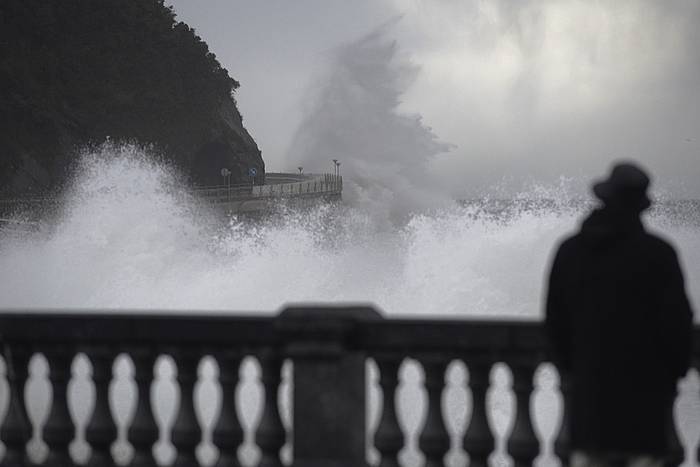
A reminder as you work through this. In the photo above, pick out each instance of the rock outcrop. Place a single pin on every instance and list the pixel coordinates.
(76, 73)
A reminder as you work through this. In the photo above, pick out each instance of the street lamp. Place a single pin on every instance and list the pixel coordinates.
(335, 166)
(226, 173)
(301, 170)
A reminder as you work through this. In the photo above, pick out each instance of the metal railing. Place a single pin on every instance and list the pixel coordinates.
(328, 347)
(281, 186)
(292, 186)
(17, 226)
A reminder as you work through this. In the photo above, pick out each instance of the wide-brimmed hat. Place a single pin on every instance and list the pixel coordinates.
(627, 186)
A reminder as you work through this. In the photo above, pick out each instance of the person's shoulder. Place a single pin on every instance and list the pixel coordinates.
(571, 241)
(569, 244)
(659, 244)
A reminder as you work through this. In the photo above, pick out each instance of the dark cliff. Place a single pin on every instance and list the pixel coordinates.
(73, 73)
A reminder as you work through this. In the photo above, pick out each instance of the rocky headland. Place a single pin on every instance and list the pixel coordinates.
(77, 73)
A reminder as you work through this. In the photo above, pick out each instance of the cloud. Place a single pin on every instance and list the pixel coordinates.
(557, 87)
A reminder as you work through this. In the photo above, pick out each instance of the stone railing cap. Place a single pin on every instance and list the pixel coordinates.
(360, 312)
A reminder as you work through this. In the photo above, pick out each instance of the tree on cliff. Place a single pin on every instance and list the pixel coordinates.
(74, 72)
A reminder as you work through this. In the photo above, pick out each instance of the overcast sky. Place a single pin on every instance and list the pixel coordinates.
(523, 90)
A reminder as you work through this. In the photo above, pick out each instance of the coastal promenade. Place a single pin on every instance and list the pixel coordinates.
(298, 189)
(327, 351)
(295, 189)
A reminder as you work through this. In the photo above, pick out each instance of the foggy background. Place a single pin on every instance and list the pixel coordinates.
(522, 92)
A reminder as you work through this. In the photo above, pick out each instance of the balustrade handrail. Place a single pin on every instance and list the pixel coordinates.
(452, 336)
(152, 327)
(329, 347)
(407, 335)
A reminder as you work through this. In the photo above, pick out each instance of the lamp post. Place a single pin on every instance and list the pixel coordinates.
(226, 173)
(337, 175)
(335, 166)
(301, 170)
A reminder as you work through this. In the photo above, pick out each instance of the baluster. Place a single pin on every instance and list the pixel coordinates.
(389, 438)
(16, 431)
(562, 444)
(228, 433)
(59, 428)
(676, 452)
(696, 366)
(523, 445)
(434, 440)
(101, 431)
(143, 432)
(270, 436)
(478, 439)
(186, 433)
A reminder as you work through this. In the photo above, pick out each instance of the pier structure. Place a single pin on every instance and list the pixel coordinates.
(327, 351)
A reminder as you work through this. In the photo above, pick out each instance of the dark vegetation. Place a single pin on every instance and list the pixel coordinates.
(75, 72)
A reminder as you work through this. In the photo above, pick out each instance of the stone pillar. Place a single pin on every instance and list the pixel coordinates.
(329, 384)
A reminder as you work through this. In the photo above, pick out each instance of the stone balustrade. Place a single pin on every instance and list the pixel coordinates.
(329, 349)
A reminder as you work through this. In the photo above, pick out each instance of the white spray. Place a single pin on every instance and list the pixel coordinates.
(354, 116)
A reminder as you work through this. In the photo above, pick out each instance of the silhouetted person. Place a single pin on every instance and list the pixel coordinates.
(620, 326)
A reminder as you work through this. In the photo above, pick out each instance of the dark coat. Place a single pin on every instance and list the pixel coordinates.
(620, 324)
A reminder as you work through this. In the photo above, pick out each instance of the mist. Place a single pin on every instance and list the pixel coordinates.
(352, 116)
(537, 90)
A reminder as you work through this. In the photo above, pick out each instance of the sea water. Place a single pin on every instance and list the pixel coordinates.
(127, 236)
